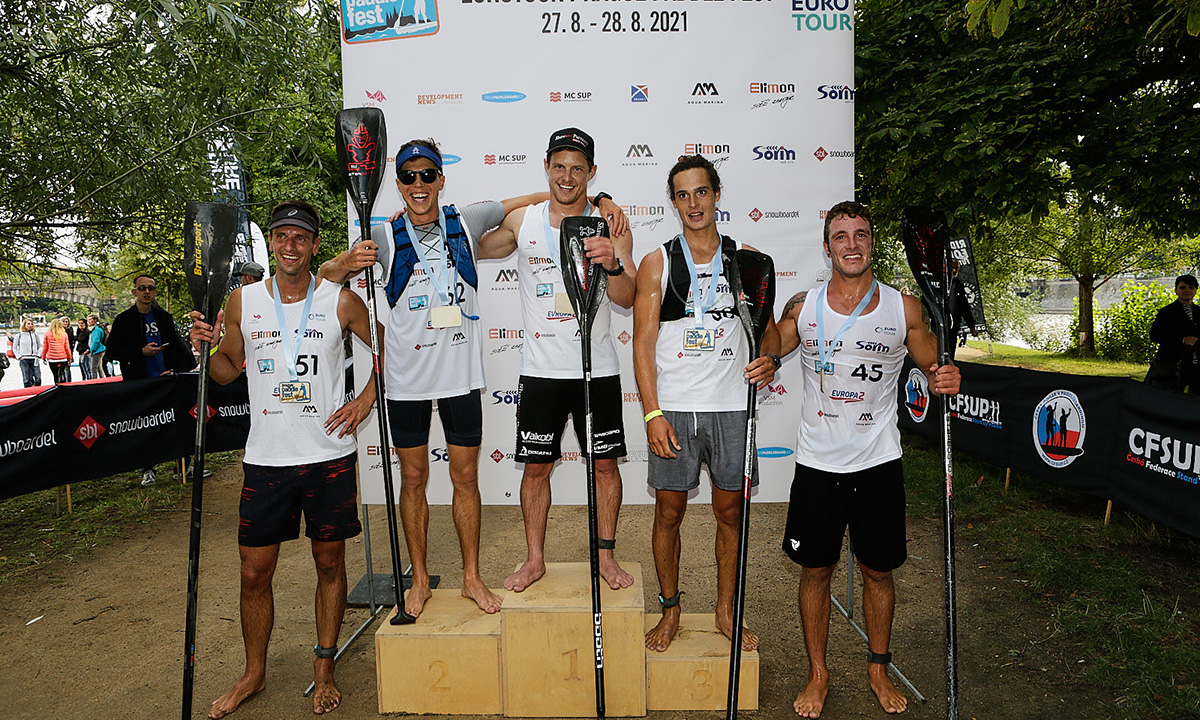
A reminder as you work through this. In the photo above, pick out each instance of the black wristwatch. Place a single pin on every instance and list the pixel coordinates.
(620, 267)
(601, 196)
(776, 359)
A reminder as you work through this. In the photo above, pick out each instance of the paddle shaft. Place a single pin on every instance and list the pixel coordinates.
(189, 642)
(739, 591)
(585, 337)
(943, 342)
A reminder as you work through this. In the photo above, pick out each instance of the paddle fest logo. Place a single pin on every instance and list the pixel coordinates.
(1059, 428)
(366, 21)
(916, 395)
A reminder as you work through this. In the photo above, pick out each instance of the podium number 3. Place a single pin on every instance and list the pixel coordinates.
(702, 679)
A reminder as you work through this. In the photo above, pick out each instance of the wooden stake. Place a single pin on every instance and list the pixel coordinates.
(1107, 513)
(1007, 477)
(70, 511)
(182, 471)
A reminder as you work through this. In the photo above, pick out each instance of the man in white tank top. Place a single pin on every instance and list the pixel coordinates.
(690, 357)
(853, 334)
(289, 333)
(551, 385)
(430, 359)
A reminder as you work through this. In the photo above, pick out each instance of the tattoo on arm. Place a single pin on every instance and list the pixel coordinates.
(796, 300)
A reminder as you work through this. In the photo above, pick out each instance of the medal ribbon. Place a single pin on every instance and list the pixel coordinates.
(825, 351)
(700, 307)
(292, 355)
(437, 276)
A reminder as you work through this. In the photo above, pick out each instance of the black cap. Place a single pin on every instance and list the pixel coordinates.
(252, 269)
(292, 215)
(572, 139)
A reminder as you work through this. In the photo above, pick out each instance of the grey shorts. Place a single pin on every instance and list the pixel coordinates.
(717, 439)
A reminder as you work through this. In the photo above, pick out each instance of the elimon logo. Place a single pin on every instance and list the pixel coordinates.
(774, 452)
(377, 96)
(821, 153)
(845, 93)
(1163, 454)
(822, 15)
(978, 410)
(757, 88)
(88, 432)
(777, 153)
(644, 210)
(505, 333)
(503, 96)
(1059, 428)
(561, 96)
(639, 93)
(440, 99)
(916, 395)
(504, 159)
(704, 149)
(41, 440)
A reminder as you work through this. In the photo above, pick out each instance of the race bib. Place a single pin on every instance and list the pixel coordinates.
(444, 316)
(562, 304)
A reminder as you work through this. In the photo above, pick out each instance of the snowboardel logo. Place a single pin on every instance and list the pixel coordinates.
(88, 432)
(362, 152)
(1059, 428)
(916, 395)
(366, 21)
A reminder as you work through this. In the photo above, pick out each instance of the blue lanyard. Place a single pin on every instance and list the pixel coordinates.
(293, 355)
(826, 351)
(552, 246)
(701, 306)
(437, 276)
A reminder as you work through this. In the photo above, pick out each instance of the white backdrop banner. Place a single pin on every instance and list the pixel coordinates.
(762, 88)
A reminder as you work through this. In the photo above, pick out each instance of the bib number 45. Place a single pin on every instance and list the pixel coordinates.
(874, 374)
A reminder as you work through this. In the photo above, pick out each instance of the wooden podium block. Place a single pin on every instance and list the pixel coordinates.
(693, 673)
(447, 662)
(547, 646)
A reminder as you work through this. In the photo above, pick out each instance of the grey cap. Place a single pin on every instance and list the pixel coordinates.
(253, 269)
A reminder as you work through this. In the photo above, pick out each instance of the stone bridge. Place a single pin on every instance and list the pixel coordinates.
(77, 292)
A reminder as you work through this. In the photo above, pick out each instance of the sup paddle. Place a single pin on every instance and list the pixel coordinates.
(362, 159)
(927, 245)
(209, 230)
(751, 279)
(585, 283)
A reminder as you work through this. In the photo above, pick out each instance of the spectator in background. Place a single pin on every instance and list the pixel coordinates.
(82, 340)
(96, 347)
(69, 329)
(251, 272)
(56, 351)
(1175, 329)
(28, 351)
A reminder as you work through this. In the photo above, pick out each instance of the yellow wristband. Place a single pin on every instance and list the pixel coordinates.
(653, 414)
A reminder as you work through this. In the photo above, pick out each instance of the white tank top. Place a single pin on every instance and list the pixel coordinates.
(691, 380)
(851, 424)
(552, 342)
(423, 362)
(286, 426)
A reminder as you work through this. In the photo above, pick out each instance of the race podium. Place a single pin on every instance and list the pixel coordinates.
(535, 657)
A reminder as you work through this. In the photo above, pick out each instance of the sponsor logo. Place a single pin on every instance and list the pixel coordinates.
(1165, 455)
(757, 214)
(1059, 428)
(366, 21)
(309, 334)
(41, 440)
(727, 352)
(569, 96)
(705, 93)
(377, 96)
(639, 455)
(624, 337)
(309, 410)
(507, 275)
(885, 330)
(632, 397)
(210, 412)
(319, 317)
(821, 153)
(440, 99)
(822, 15)
(503, 96)
(496, 456)
(639, 93)
(418, 302)
(639, 155)
(705, 149)
(504, 159)
(504, 397)
(447, 159)
(439, 455)
(866, 418)
(774, 452)
(266, 366)
(823, 414)
(849, 396)
(362, 151)
(232, 410)
(142, 422)
(762, 88)
(505, 333)
(530, 436)
(845, 93)
(545, 290)
(872, 346)
(981, 411)
(776, 153)
(458, 338)
(916, 395)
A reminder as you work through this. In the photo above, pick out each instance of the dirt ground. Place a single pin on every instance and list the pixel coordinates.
(110, 637)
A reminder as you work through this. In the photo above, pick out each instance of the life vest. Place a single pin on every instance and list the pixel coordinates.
(405, 257)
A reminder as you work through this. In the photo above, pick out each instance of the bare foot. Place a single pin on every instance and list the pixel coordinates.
(528, 574)
(725, 625)
(659, 638)
(416, 597)
(811, 699)
(229, 702)
(488, 601)
(890, 697)
(326, 696)
(613, 574)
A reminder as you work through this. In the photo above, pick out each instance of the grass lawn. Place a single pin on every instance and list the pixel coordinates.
(998, 354)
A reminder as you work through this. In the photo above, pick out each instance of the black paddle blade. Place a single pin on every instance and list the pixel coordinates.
(362, 155)
(927, 243)
(209, 231)
(751, 276)
(585, 281)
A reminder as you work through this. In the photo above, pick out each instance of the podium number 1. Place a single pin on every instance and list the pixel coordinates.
(573, 660)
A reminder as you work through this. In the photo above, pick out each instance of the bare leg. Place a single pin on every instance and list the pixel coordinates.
(330, 559)
(535, 508)
(669, 507)
(464, 473)
(727, 507)
(814, 614)
(258, 618)
(414, 516)
(879, 603)
(608, 507)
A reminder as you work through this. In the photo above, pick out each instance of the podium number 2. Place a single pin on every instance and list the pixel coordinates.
(444, 669)
(702, 679)
(572, 658)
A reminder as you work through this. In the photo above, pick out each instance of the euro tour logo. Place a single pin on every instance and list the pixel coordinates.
(916, 395)
(1059, 428)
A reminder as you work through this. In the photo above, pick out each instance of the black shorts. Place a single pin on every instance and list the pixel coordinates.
(542, 408)
(870, 501)
(461, 416)
(272, 498)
